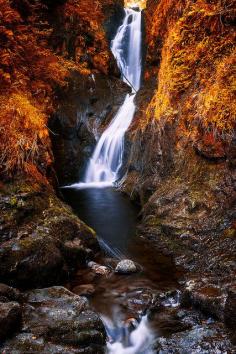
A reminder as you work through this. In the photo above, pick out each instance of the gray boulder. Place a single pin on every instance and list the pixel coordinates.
(126, 266)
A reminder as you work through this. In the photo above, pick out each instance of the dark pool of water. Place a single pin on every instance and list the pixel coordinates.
(119, 298)
(114, 218)
(108, 212)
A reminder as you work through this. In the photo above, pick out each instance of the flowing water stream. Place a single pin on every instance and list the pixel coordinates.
(120, 300)
(142, 309)
(104, 166)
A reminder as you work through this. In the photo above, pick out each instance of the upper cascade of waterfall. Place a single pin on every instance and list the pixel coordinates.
(126, 48)
(105, 164)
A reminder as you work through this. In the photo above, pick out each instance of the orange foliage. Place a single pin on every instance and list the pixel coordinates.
(29, 72)
(195, 45)
(84, 18)
(32, 66)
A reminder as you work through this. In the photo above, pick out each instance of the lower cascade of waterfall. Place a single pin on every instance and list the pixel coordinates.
(104, 165)
(136, 342)
(103, 169)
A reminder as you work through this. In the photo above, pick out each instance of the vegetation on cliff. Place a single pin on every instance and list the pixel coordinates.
(191, 52)
(35, 60)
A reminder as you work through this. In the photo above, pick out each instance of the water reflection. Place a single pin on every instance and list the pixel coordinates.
(108, 212)
(121, 300)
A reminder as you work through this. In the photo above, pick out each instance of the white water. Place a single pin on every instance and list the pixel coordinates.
(104, 166)
(139, 340)
(103, 169)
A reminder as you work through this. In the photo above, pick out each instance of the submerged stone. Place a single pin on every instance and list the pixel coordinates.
(98, 268)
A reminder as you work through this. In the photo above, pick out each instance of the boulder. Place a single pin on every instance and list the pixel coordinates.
(75, 253)
(99, 269)
(56, 320)
(41, 240)
(208, 298)
(126, 266)
(201, 339)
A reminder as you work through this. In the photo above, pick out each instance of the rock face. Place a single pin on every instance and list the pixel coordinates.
(42, 242)
(86, 108)
(183, 175)
(8, 293)
(185, 330)
(55, 320)
(126, 266)
(188, 206)
(113, 17)
(198, 340)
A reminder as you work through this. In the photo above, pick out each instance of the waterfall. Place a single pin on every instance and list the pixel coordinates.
(139, 340)
(104, 166)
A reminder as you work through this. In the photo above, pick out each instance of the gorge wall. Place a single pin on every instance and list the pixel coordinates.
(48, 49)
(59, 88)
(51, 53)
(182, 157)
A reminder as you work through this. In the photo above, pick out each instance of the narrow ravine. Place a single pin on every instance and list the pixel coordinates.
(114, 218)
(117, 177)
(142, 310)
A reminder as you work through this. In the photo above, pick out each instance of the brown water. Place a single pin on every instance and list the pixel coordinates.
(122, 300)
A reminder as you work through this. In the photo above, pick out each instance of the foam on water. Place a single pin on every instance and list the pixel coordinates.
(138, 341)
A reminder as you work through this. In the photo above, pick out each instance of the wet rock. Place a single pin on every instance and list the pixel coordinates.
(99, 269)
(209, 298)
(9, 293)
(10, 318)
(138, 301)
(75, 254)
(28, 343)
(84, 290)
(168, 299)
(42, 247)
(230, 309)
(77, 123)
(56, 318)
(30, 260)
(201, 339)
(126, 266)
(114, 17)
